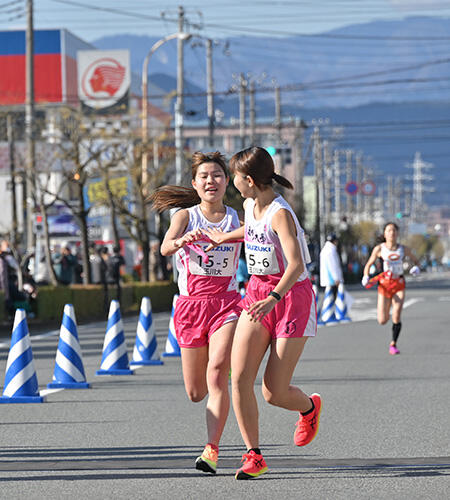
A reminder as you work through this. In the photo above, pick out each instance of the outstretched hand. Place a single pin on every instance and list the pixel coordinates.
(414, 271)
(189, 237)
(214, 235)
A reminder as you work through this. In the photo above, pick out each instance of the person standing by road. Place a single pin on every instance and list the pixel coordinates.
(391, 282)
(115, 269)
(330, 264)
(330, 272)
(279, 307)
(206, 311)
(64, 263)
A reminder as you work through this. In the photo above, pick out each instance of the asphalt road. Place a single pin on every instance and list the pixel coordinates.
(384, 430)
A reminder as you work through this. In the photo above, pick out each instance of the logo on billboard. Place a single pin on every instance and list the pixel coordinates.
(104, 79)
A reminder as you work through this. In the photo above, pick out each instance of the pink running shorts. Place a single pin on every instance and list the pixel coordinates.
(197, 318)
(294, 316)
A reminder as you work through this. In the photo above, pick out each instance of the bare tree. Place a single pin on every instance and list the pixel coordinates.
(79, 152)
(133, 213)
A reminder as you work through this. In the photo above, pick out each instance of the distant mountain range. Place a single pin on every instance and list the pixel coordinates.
(387, 121)
(414, 43)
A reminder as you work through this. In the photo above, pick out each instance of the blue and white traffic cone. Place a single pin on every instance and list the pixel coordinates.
(341, 306)
(316, 295)
(21, 384)
(327, 314)
(69, 370)
(145, 349)
(115, 357)
(172, 347)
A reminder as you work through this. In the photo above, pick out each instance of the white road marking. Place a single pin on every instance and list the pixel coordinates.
(411, 302)
(45, 392)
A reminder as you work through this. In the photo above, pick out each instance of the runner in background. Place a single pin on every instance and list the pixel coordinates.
(391, 283)
(207, 309)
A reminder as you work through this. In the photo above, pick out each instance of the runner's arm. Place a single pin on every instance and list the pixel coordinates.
(283, 224)
(374, 256)
(174, 238)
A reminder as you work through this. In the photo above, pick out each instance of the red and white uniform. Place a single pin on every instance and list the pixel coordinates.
(393, 260)
(295, 315)
(392, 280)
(208, 290)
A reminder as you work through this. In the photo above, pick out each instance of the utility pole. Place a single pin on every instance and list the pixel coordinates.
(397, 195)
(179, 105)
(10, 134)
(242, 84)
(299, 164)
(327, 182)
(318, 173)
(252, 113)
(278, 126)
(210, 91)
(368, 199)
(359, 195)
(390, 197)
(278, 115)
(29, 131)
(348, 178)
(337, 186)
(417, 205)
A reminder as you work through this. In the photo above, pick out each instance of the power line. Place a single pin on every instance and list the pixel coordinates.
(246, 30)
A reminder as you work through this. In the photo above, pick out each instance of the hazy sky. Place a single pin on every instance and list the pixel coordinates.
(90, 20)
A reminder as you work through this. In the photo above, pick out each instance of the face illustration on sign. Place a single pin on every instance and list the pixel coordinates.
(104, 79)
(107, 78)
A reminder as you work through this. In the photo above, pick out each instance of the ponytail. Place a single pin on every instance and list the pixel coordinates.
(258, 164)
(282, 181)
(167, 197)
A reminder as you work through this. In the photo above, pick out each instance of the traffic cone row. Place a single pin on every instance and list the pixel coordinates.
(332, 311)
(21, 384)
(172, 347)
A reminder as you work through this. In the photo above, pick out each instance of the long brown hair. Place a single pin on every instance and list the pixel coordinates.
(167, 197)
(258, 164)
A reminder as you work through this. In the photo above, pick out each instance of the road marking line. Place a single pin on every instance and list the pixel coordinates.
(410, 302)
(45, 392)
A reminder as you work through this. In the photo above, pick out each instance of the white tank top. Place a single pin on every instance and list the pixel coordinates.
(263, 251)
(218, 275)
(393, 260)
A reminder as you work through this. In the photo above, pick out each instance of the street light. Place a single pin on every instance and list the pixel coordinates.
(180, 36)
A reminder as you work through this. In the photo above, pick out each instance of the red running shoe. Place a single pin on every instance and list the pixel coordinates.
(207, 461)
(308, 425)
(254, 466)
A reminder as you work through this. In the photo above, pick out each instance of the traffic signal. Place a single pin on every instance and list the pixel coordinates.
(398, 215)
(38, 225)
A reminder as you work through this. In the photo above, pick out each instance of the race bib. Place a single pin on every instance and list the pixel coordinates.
(220, 260)
(396, 267)
(261, 259)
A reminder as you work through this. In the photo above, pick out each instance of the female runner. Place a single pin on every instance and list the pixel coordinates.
(279, 307)
(391, 283)
(206, 311)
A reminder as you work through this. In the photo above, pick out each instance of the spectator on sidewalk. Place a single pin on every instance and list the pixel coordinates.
(64, 265)
(330, 264)
(115, 269)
